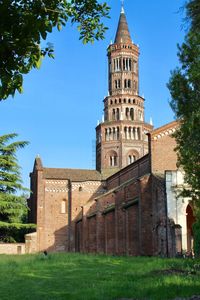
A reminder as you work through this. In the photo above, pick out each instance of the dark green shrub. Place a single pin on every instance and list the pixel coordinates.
(196, 230)
(14, 232)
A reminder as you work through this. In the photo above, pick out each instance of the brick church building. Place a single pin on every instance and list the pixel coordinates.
(121, 207)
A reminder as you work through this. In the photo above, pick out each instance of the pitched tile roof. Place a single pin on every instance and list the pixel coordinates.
(72, 174)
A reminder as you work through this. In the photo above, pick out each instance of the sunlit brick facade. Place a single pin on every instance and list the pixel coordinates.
(121, 207)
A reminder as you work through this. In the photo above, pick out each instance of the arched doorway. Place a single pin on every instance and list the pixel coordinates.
(190, 219)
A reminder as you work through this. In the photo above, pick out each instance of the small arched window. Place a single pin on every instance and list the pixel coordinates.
(112, 158)
(130, 64)
(113, 114)
(119, 83)
(117, 115)
(63, 206)
(127, 113)
(125, 83)
(131, 159)
(132, 114)
(113, 161)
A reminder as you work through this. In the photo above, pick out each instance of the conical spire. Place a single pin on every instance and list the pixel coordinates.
(122, 35)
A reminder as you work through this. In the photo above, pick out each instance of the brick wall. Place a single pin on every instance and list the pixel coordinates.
(124, 215)
(59, 205)
(31, 245)
(17, 248)
(113, 224)
(162, 145)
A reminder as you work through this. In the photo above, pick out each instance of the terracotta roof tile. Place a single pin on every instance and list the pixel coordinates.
(122, 34)
(72, 174)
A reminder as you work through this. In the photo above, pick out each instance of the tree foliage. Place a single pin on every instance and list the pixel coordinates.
(196, 230)
(184, 86)
(12, 205)
(25, 23)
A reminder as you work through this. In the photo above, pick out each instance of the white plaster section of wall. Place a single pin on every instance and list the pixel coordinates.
(176, 205)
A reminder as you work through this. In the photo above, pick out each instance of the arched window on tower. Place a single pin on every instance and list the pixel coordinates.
(127, 113)
(117, 116)
(130, 64)
(119, 83)
(114, 133)
(124, 64)
(117, 133)
(112, 158)
(132, 114)
(131, 159)
(117, 64)
(120, 64)
(125, 83)
(127, 64)
(106, 135)
(132, 156)
(110, 134)
(125, 132)
(113, 114)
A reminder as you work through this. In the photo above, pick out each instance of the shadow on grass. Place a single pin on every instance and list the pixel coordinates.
(93, 277)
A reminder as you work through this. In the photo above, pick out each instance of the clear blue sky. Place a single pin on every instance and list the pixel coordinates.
(61, 103)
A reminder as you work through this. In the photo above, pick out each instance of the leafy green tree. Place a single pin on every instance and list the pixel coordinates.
(25, 23)
(12, 205)
(184, 86)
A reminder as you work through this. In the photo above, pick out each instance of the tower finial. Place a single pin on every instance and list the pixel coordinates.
(122, 6)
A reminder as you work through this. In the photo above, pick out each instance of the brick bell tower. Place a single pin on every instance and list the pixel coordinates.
(121, 136)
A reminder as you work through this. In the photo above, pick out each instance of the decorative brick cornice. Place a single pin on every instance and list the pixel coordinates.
(165, 130)
(58, 186)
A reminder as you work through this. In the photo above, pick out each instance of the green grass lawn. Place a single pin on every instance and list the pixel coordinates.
(90, 277)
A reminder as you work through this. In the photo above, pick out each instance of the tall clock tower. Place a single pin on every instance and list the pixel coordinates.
(121, 137)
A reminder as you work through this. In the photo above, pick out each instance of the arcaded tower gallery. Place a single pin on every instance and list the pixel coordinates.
(121, 137)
